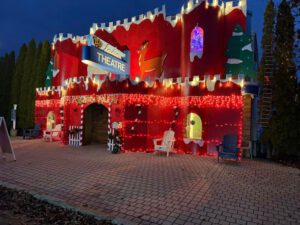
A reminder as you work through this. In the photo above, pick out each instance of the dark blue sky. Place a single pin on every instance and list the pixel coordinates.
(20, 20)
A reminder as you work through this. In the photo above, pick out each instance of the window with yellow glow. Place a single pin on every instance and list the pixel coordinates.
(193, 127)
(51, 120)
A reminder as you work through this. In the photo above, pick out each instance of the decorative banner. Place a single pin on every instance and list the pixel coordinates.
(5, 144)
(98, 58)
(155, 64)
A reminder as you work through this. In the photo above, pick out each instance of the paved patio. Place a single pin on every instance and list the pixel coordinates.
(152, 189)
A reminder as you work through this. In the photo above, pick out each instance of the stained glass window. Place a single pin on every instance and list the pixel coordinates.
(197, 43)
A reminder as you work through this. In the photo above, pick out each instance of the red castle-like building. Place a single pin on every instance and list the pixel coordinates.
(146, 75)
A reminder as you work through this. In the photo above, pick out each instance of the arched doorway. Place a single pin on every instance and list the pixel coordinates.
(95, 124)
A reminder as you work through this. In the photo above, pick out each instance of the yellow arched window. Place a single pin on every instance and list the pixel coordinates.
(51, 120)
(193, 127)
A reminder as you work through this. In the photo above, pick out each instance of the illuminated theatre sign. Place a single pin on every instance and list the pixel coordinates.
(104, 56)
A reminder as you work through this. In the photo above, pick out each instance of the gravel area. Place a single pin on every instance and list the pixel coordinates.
(21, 208)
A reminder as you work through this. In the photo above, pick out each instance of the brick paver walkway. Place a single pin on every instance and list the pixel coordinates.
(152, 189)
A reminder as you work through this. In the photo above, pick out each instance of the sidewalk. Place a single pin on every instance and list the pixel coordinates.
(153, 189)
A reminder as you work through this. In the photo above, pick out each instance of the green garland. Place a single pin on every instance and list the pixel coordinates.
(117, 141)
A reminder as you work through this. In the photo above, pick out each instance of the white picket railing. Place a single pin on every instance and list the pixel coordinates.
(75, 138)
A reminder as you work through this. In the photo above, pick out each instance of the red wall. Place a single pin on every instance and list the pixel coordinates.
(175, 42)
(42, 110)
(67, 58)
(155, 119)
(222, 114)
(163, 39)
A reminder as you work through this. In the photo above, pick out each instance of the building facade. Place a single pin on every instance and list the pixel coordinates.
(142, 76)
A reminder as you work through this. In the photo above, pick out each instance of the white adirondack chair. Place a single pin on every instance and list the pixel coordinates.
(166, 143)
(53, 134)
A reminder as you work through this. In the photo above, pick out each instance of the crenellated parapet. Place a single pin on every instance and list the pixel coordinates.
(207, 80)
(45, 90)
(226, 6)
(127, 22)
(76, 39)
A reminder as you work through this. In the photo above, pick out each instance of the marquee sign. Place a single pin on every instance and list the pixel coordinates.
(104, 46)
(100, 59)
(104, 56)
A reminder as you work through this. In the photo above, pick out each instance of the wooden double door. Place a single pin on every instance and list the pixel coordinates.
(95, 124)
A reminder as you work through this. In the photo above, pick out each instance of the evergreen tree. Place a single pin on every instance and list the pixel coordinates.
(17, 77)
(7, 69)
(43, 65)
(33, 85)
(267, 42)
(285, 120)
(26, 87)
(265, 73)
(240, 54)
(295, 6)
(2, 85)
(41, 60)
(9, 77)
(36, 64)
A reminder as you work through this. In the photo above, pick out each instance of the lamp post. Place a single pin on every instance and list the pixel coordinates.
(13, 131)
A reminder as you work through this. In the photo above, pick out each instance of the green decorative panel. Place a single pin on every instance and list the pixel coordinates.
(49, 74)
(240, 55)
